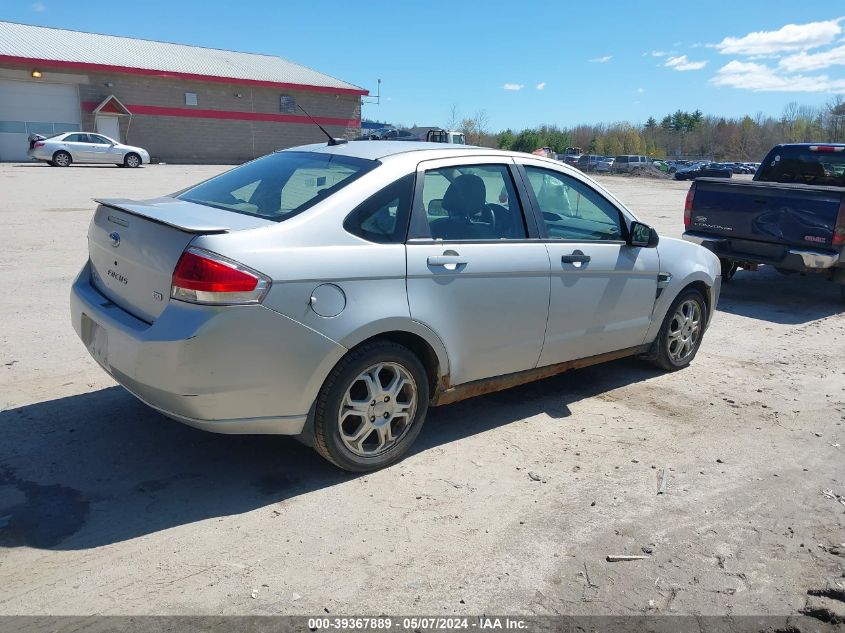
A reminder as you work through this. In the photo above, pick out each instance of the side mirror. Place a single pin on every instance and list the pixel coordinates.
(643, 235)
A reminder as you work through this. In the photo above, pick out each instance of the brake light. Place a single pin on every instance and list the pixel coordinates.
(39, 144)
(688, 205)
(839, 228)
(827, 148)
(205, 277)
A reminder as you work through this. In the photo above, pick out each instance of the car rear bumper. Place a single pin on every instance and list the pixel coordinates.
(784, 257)
(234, 369)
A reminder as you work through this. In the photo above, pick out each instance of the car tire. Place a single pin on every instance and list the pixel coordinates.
(62, 159)
(132, 160)
(681, 333)
(729, 269)
(371, 407)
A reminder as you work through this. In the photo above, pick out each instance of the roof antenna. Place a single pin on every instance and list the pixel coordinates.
(332, 140)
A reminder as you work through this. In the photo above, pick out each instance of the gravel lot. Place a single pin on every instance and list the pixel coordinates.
(117, 510)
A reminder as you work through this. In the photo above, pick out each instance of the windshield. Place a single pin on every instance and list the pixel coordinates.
(281, 185)
(808, 165)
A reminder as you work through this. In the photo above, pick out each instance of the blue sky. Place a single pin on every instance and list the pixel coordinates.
(523, 63)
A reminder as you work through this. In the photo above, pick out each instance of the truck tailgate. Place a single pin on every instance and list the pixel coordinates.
(784, 214)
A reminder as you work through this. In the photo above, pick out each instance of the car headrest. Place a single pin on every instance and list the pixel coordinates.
(465, 195)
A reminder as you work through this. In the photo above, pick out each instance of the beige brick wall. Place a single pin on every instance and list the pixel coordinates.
(204, 140)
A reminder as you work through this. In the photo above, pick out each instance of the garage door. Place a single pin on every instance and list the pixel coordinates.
(30, 106)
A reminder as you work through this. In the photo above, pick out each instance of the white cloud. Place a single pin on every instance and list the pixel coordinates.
(682, 63)
(640, 91)
(541, 85)
(762, 78)
(513, 86)
(602, 60)
(658, 53)
(39, 7)
(813, 61)
(792, 37)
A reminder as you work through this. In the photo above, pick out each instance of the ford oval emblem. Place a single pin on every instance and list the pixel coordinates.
(115, 239)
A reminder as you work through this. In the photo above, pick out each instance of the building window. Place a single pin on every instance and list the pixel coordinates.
(287, 104)
(190, 98)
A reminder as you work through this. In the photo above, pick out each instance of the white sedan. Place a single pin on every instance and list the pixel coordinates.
(85, 147)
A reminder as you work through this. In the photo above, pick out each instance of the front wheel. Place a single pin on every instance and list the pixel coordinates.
(680, 335)
(371, 407)
(132, 160)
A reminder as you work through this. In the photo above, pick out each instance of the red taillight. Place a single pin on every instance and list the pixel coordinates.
(39, 144)
(204, 277)
(688, 205)
(827, 148)
(839, 228)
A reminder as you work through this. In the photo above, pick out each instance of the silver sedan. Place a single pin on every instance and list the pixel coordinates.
(335, 292)
(62, 150)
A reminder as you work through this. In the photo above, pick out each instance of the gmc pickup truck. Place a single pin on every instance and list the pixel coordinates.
(790, 216)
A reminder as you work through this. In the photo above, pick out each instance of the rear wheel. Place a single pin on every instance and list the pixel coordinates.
(62, 159)
(371, 407)
(680, 335)
(132, 160)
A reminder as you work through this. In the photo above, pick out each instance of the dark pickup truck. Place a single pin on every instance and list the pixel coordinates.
(790, 216)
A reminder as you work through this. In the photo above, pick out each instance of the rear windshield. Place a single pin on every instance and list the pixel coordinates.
(804, 165)
(281, 185)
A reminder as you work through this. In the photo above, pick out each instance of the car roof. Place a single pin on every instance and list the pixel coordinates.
(376, 150)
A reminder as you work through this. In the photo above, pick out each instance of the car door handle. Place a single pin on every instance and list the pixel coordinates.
(574, 258)
(446, 260)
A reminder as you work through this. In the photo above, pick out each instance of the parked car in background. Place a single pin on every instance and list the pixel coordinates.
(62, 150)
(335, 292)
(630, 162)
(569, 159)
(389, 134)
(588, 162)
(605, 165)
(791, 215)
(703, 170)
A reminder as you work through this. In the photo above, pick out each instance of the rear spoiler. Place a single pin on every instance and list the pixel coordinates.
(189, 217)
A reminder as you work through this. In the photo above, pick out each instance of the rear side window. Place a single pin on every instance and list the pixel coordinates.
(472, 202)
(281, 185)
(383, 218)
(809, 165)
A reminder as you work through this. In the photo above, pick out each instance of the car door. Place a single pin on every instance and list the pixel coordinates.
(79, 147)
(102, 150)
(602, 290)
(477, 273)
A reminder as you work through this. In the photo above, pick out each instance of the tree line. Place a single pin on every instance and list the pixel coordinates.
(680, 134)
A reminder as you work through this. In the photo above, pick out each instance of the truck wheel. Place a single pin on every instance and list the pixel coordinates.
(371, 407)
(728, 269)
(680, 335)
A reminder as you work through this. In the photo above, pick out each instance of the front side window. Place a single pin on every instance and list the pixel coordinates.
(281, 185)
(472, 202)
(383, 217)
(571, 210)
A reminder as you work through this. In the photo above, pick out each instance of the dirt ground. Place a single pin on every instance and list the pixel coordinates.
(109, 508)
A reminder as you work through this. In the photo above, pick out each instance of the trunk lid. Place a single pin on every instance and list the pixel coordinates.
(134, 246)
(784, 214)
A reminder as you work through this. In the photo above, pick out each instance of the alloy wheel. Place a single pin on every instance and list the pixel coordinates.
(377, 409)
(684, 331)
